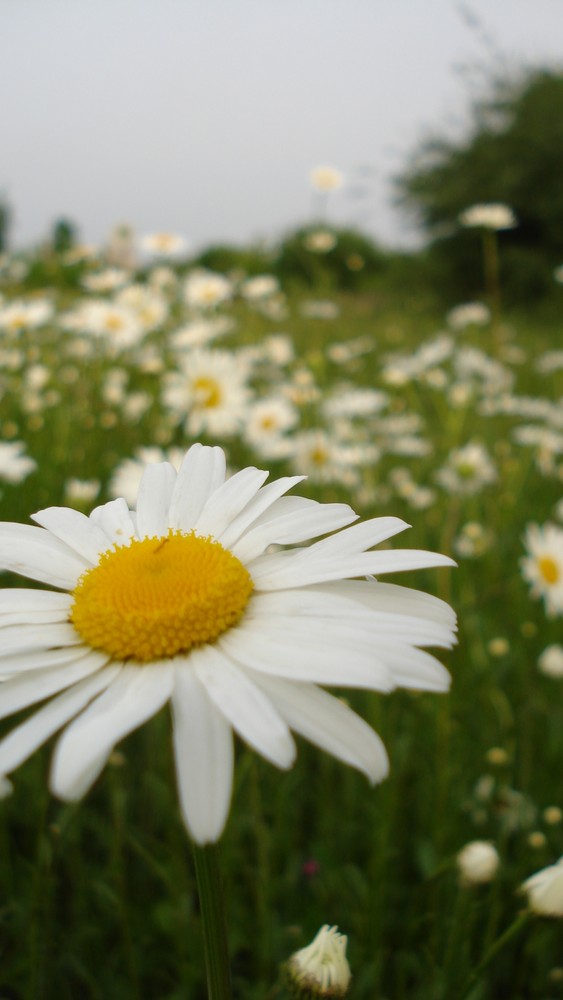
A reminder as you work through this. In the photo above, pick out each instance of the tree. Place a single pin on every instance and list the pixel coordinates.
(513, 155)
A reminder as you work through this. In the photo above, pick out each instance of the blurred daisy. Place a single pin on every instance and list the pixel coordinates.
(550, 662)
(261, 287)
(201, 331)
(320, 309)
(15, 466)
(82, 491)
(163, 244)
(206, 290)
(184, 602)
(326, 179)
(149, 306)
(25, 315)
(320, 241)
(105, 281)
(266, 423)
(469, 314)
(209, 394)
(542, 567)
(467, 470)
(492, 215)
(478, 863)
(115, 324)
(545, 891)
(350, 402)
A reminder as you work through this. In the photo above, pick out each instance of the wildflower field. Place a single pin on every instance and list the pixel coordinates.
(453, 423)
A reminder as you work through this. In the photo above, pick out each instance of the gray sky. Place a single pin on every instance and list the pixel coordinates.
(204, 117)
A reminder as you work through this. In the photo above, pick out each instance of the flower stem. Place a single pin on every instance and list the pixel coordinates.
(494, 949)
(211, 901)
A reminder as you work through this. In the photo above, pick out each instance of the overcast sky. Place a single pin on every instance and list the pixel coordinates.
(204, 117)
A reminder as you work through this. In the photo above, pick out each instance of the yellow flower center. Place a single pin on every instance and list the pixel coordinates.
(114, 323)
(207, 392)
(319, 456)
(159, 597)
(548, 569)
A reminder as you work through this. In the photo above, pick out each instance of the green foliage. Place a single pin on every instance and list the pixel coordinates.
(63, 236)
(224, 259)
(5, 219)
(351, 263)
(512, 155)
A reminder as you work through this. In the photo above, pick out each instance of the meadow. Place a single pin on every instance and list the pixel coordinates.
(451, 422)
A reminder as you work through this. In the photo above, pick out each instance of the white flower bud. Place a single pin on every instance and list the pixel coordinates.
(321, 969)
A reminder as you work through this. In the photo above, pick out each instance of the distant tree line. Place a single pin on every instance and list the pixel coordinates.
(513, 155)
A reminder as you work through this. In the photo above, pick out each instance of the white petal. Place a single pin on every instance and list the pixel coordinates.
(263, 500)
(320, 659)
(201, 473)
(203, 750)
(22, 618)
(356, 628)
(392, 597)
(337, 604)
(153, 501)
(76, 530)
(359, 537)
(282, 525)
(248, 710)
(42, 659)
(274, 572)
(414, 668)
(114, 518)
(137, 693)
(23, 638)
(24, 740)
(24, 599)
(228, 501)
(35, 685)
(32, 607)
(37, 554)
(329, 724)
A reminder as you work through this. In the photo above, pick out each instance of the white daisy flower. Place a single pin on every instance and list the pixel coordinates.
(492, 215)
(545, 891)
(467, 470)
(105, 281)
(542, 566)
(210, 393)
(261, 286)
(550, 662)
(163, 244)
(15, 465)
(149, 307)
(326, 179)
(206, 289)
(183, 602)
(266, 423)
(25, 315)
(468, 314)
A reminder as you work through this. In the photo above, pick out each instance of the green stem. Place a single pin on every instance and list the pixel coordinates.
(494, 949)
(211, 901)
(492, 274)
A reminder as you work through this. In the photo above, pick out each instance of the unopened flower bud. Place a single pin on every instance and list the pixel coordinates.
(477, 862)
(321, 969)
